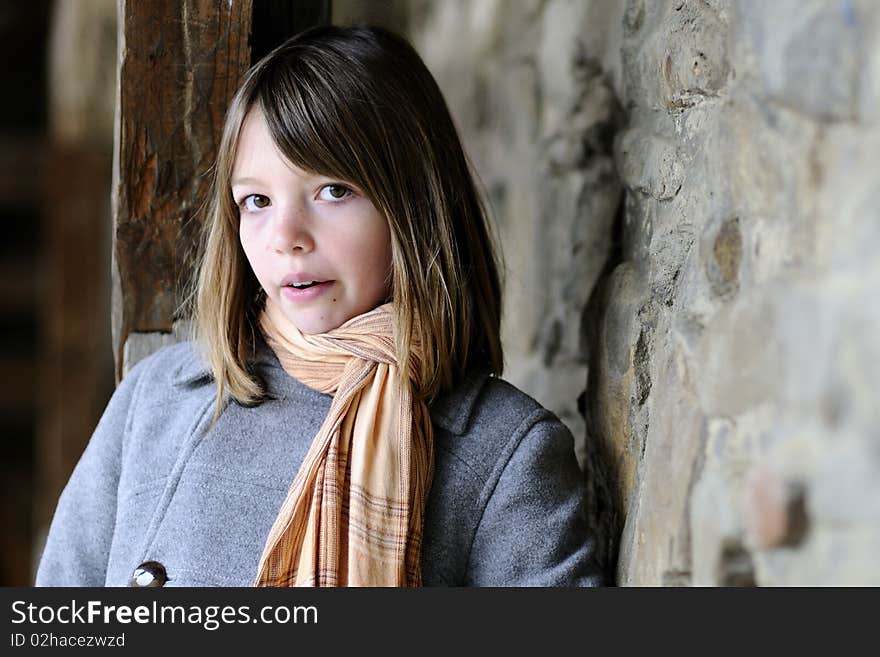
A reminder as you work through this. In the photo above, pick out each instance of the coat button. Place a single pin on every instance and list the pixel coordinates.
(149, 573)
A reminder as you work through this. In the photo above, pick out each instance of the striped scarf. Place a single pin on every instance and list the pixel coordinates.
(354, 513)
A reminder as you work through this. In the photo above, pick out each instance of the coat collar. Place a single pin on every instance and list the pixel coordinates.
(451, 411)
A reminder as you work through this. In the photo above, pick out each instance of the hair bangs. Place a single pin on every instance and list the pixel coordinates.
(308, 113)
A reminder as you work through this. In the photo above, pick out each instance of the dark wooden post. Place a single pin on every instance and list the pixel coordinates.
(180, 62)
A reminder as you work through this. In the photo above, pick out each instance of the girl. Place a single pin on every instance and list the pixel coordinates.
(346, 331)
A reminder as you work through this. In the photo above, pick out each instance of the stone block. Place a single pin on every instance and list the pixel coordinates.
(694, 60)
(817, 58)
(724, 256)
(650, 164)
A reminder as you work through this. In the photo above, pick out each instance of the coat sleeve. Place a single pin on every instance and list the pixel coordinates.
(534, 530)
(78, 542)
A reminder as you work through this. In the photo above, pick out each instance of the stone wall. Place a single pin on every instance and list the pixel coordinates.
(538, 115)
(685, 191)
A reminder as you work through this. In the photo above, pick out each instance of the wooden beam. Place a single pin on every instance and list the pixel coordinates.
(180, 62)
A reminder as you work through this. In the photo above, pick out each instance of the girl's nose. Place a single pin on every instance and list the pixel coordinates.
(292, 230)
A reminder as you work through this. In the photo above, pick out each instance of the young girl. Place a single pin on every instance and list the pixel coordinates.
(337, 418)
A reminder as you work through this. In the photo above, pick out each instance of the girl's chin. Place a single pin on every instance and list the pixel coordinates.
(311, 329)
(314, 320)
(313, 326)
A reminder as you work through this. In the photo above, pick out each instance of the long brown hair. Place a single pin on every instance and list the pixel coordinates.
(359, 104)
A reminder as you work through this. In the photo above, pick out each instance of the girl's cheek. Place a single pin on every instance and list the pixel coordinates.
(248, 231)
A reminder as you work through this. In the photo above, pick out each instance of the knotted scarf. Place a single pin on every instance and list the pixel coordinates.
(354, 513)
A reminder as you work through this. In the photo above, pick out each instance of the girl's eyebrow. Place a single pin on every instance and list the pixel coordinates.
(244, 181)
(249, 180)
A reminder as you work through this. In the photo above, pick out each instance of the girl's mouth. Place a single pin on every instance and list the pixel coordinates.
(306, 292)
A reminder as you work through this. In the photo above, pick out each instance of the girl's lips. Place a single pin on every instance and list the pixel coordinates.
(308, 294)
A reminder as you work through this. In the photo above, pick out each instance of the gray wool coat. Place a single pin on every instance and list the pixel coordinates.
(506, 506)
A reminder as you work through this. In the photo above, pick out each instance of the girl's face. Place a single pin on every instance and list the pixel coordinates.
(297, 227)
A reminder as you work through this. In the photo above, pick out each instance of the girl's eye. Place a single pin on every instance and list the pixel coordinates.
(333, 192)
(254, 202)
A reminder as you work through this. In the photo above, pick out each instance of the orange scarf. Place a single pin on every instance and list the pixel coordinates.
(354, 513)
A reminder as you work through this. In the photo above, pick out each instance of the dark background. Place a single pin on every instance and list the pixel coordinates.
(24, 29)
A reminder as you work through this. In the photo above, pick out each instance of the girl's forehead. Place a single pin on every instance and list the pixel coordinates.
(254, 137)
(257, 154)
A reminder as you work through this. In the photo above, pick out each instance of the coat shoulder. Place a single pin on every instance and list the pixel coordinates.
(501, 416)
(502, 403)
(178, 363)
